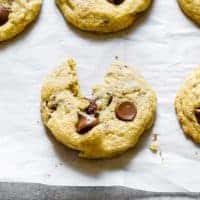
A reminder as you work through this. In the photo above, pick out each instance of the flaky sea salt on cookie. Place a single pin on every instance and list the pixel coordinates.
(122, 107)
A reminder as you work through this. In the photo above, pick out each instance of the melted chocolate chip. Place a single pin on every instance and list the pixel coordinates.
(126, 111)
(197, 114)
(116, 2)
(92, 108)
(4, 13)
(86, 123)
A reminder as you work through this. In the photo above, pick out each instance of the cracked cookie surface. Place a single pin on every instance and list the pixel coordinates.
(15, 15)
(191, 8)
(187, 104)
(102, 15)
(121, 109)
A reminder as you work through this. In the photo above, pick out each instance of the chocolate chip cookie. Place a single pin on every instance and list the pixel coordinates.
(102, 15)
(104, 125)
(187, 105)
(15, 15)
(191, 8)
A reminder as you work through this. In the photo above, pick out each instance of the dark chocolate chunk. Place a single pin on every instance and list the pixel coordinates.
(86, 123)
(92, 108)
(116, 2)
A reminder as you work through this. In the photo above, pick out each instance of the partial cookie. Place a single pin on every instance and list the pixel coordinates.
(109, 123)
(191, 8)
(187, 105)
(102, 15)
(15, 15)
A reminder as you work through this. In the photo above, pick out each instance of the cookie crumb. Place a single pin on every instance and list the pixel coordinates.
(154, 147)
(154, 144)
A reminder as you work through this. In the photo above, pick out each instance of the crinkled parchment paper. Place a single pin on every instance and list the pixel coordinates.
(163, 45)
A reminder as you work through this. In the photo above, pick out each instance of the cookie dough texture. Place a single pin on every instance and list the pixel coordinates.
(21, 13)
(61, 101)
(191, 8)
(101, 15)
(187, 100)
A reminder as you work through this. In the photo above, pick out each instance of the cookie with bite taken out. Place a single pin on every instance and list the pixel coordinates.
(109, 123)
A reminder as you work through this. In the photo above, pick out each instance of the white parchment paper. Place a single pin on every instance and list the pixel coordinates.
(164, 46)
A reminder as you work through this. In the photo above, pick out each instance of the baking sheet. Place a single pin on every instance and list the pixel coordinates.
(33, 191)
(163, 45)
